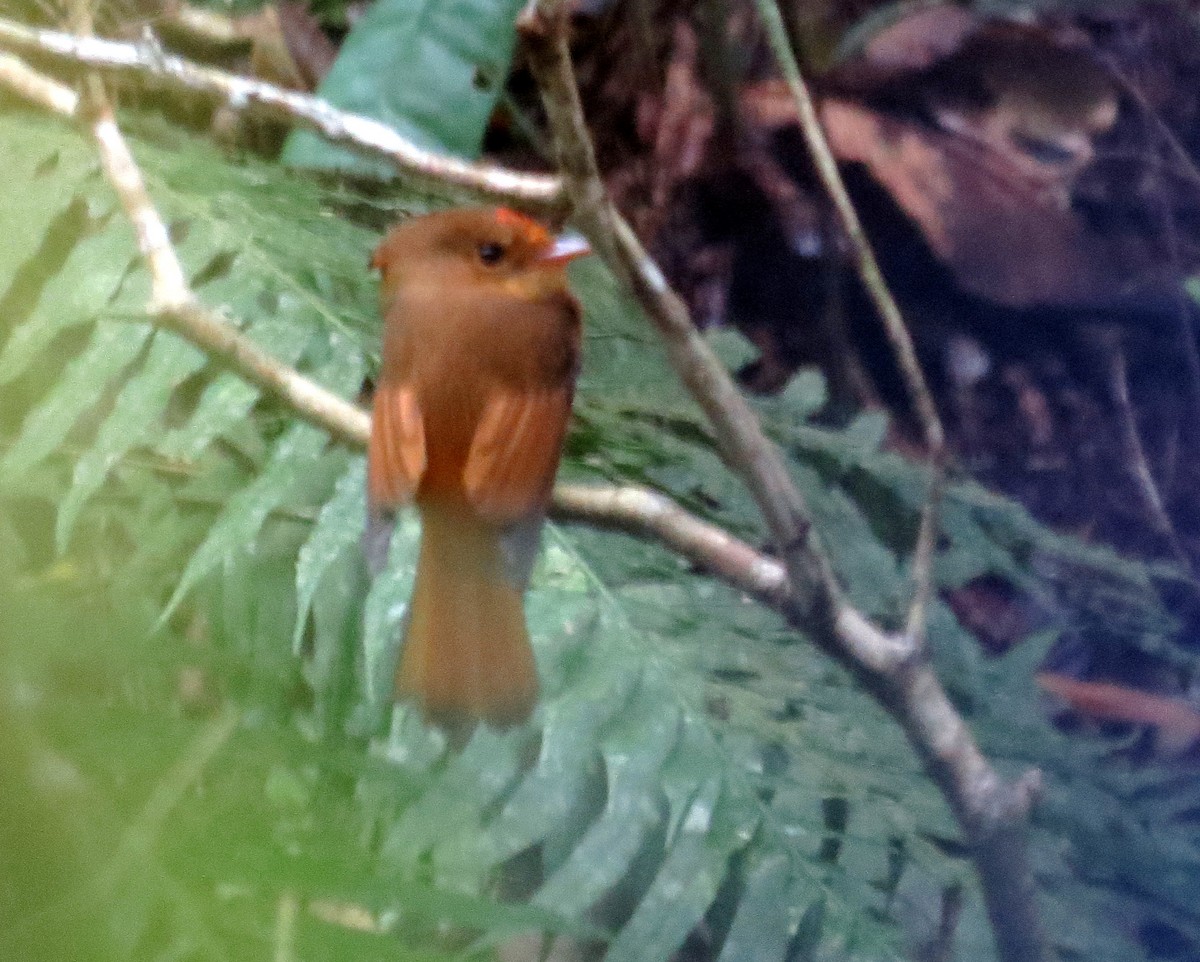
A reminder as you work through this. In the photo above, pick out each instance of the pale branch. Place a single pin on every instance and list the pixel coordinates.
(899, 338)
(991, 812)
(1110, 342)
(535, 192)
(644, 513)
(742, 442)
(37, 88)
(173, 305)
(865, 261)
(922, 559)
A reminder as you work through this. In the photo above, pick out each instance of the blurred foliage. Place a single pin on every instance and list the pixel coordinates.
(204, 763)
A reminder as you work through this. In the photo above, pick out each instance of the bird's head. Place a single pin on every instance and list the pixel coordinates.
(491, 248)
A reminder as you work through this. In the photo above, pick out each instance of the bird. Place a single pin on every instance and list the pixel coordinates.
(481, 349)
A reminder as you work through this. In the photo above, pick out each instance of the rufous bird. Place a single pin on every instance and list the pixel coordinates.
(481, 347)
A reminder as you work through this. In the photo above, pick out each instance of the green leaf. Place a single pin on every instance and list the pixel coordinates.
(763, 923)
(431, 71)
(385, 608)
(711, 831)
(76, 293)
(227, 400)
(470, 783)
(339, 525)
(135, 418)
(112, 348)
(241, 520)
(633, 753)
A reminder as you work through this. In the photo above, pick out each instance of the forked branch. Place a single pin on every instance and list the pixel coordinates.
(992, 813)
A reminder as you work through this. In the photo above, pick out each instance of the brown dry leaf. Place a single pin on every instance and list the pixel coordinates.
(916, 41)
(994, 611)
(270, 58)
(1008, 237)
(285, 42)
(309, 46)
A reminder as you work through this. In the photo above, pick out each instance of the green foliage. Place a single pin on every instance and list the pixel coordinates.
(431, 70)
(694, 766)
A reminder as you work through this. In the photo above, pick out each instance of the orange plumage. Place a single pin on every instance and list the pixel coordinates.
(480, 349)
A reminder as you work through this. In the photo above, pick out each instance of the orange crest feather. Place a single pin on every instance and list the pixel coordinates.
(535, 233)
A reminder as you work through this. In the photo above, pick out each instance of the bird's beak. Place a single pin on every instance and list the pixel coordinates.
(566, 248)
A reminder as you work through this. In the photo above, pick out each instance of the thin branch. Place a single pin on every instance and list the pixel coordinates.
(173, 305)
(922, 562)
(422, 167)
(877, 289)
(37, 88)
(1135, 451)
(652, 516)
(742, 441)
(868, 266)
(992, 813)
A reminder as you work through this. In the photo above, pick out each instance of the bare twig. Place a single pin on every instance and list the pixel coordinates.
(1135, 451)
(147, 60)
(37, 88)
(650, 515)
(741, 438)
(922, 561)
(992, 813)
(868, 266)
(894, 327)
(173, 304)
(1184, 167)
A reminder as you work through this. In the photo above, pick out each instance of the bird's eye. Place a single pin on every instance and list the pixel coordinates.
(490, 252)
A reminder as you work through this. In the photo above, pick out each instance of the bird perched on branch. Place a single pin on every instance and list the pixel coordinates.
(481, 346)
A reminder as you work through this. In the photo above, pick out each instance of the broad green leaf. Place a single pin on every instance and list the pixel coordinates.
(765, 915)
(711, 831)
(432, 71)
(385, 608)
(471, 781)
(227, 400)
(80, 289)
(633, 754)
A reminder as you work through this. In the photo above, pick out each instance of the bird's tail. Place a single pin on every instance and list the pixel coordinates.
(466, 655)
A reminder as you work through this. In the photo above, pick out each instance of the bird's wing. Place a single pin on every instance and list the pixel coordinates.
(510, 467)
(396, 454)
